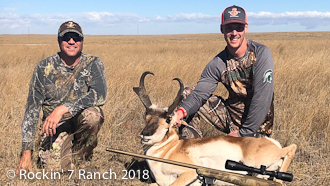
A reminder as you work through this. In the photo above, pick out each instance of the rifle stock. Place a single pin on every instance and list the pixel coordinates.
(230, 177)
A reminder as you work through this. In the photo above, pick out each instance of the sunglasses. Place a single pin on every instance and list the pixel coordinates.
(75, 38)
(232, 27)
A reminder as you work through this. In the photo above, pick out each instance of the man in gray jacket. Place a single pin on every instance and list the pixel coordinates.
(69, 87)
(246, 69)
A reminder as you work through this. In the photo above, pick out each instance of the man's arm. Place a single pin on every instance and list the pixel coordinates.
(207, 84)
(205, 87)
(262, 93)
(51, 121)
(34, 101)
(25, 161)
(49, 126)
(178, 116)
(31, 116)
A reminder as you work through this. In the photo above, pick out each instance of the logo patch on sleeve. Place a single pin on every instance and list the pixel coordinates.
(268, 76)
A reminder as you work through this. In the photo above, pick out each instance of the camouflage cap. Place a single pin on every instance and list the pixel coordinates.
(70, 26)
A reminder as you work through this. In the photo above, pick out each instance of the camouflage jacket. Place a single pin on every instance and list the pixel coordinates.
(54, 83)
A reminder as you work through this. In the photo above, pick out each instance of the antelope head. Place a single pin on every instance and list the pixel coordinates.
(157, 119)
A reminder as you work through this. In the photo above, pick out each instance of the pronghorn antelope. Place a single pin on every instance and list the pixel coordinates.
(209, 152)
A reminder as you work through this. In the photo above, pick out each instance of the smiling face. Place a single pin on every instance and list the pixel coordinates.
(234, 34)
(71, 45)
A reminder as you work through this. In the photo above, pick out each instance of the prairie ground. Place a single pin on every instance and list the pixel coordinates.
(302, 89)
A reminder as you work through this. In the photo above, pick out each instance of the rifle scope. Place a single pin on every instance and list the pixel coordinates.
(232, 165)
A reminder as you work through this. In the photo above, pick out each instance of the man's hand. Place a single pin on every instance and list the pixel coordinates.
(49, 126)
(178, 116)
(25, 162)
(234, 133)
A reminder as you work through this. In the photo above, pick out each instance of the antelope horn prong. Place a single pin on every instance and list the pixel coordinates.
(141, 91)
(177, 99)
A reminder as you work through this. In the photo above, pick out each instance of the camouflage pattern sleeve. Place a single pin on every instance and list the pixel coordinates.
(34, 102)
(96, 89)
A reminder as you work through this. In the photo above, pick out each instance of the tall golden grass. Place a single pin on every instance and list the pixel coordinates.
(302, 89)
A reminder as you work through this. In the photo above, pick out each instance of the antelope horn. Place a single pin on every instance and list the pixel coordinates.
(178, 97)
(141, 91)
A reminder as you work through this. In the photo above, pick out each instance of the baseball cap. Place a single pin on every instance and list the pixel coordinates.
(70, 26)
(233, 14)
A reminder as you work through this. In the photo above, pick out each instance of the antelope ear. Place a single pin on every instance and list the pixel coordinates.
(184, 123)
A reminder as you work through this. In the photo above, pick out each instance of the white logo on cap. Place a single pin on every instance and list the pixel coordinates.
(234, 12)
(70, 25)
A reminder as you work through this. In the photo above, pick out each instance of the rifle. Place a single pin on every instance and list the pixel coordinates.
(207, 173)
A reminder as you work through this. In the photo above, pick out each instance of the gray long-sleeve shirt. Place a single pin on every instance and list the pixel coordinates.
(249, 81)
(54, 83)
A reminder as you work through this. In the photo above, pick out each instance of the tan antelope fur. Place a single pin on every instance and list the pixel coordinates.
(209, 152)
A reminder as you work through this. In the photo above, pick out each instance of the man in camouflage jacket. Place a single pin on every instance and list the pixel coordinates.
(69, 87)
(245, 68)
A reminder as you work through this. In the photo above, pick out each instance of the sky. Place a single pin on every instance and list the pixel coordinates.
(151, 17)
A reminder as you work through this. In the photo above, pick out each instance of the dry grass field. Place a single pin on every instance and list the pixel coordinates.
(302, 89)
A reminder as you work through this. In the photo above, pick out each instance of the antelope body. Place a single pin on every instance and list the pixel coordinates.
(209, 152)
